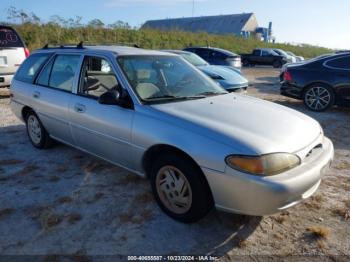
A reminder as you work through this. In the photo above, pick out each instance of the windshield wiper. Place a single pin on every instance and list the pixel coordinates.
(176, 97)
(211, 93)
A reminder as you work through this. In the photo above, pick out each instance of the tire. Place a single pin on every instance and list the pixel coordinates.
(245, 63)
(175, 178)
(318, 97)
(36, 132)
(277, 64)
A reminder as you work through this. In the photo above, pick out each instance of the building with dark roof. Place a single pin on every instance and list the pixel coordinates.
(237, 24)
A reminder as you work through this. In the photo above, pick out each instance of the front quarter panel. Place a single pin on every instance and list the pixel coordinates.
(149, 130)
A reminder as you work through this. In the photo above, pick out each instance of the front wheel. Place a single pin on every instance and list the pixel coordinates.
(319, 97)
(37, 134)
(180, 188)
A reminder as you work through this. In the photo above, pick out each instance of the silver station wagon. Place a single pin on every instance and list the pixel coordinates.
(158, 116)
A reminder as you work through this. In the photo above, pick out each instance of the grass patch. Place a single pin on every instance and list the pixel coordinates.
(73, 218)
(49, 219)
(64, 200)
(6, 212)
(319, 232)
(342, 212)
(144, 198)
(343, 166)
(27, 170)
(129, 179)
(12, 161)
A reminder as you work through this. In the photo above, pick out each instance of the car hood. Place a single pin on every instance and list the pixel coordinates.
(230, 75)
(249, 125)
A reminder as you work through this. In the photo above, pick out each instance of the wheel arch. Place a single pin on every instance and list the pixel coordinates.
(152, 152)
(25, 111)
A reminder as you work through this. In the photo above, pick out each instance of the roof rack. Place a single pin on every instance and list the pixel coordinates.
(82, 44)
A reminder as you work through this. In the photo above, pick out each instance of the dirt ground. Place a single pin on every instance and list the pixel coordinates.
(65, 202)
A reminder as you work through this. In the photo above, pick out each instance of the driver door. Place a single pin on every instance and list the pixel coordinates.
(102, 130)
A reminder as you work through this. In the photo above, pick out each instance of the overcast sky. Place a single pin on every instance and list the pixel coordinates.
(317, 22)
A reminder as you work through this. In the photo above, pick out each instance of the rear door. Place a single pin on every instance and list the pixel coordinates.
(53, 94)
(340, 68)
(103, 130)
(12, 51)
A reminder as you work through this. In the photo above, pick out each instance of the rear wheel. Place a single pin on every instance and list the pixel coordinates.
(319, 97)
(180, 188)
(277, 64)
(37, 134)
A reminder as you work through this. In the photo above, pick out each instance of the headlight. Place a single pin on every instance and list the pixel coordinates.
(264, 165)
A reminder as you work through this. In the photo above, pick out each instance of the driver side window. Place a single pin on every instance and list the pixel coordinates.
(97, 77)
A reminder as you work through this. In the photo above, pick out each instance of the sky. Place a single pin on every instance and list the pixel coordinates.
(317, 22)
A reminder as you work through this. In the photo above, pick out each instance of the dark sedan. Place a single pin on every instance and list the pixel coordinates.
(217, 56)
(320, 83)
(229, 78)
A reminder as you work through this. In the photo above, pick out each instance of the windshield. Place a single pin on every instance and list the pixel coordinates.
(194, 59)
(166, 79)
(281, 52)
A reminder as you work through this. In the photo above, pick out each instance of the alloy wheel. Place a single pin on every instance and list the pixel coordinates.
(317, 98)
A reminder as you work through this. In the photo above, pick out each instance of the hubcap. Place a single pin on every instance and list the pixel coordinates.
(317, 98)
(34, 129)
(173, 189)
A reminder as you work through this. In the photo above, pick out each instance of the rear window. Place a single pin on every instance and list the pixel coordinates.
(30, 67)
(339, 63)
(9, 38)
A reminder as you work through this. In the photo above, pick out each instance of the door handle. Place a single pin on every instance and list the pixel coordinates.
(36, 94)
(79, 108)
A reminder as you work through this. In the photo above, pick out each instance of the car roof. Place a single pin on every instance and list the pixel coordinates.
(118, 50)
(212, 48)
(178, 52)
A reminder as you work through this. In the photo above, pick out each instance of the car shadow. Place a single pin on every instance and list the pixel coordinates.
(100, 209)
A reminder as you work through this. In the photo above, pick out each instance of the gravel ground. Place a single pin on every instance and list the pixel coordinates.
(65, 202)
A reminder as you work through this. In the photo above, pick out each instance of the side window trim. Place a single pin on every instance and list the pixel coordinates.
(52, 57)
(325, 63)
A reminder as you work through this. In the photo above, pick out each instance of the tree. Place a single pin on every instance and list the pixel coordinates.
(96, 23)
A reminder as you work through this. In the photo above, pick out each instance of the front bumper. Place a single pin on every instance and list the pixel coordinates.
(237, 192)
(5, 80)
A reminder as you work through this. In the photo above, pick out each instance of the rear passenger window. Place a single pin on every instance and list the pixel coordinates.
(203, 53)
(340, 63)
(63, 71)
(30, 67)
(217, 55)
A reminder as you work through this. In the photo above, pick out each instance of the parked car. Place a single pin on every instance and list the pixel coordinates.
(217, 56)
(297, 58)
(289, 58)
(263, 56)
(320, 83)
(229, 78)
(158, 116)
(12, 53)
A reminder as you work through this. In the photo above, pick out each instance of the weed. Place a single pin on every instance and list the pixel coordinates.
(319, 232)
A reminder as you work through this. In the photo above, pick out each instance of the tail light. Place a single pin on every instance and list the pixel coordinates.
(26, 52)
(287, 76)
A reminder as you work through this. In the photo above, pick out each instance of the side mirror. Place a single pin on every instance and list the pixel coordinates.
(116, 98)
(109, 98)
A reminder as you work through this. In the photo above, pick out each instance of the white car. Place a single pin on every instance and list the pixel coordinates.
(12, 53)
(298, 58)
